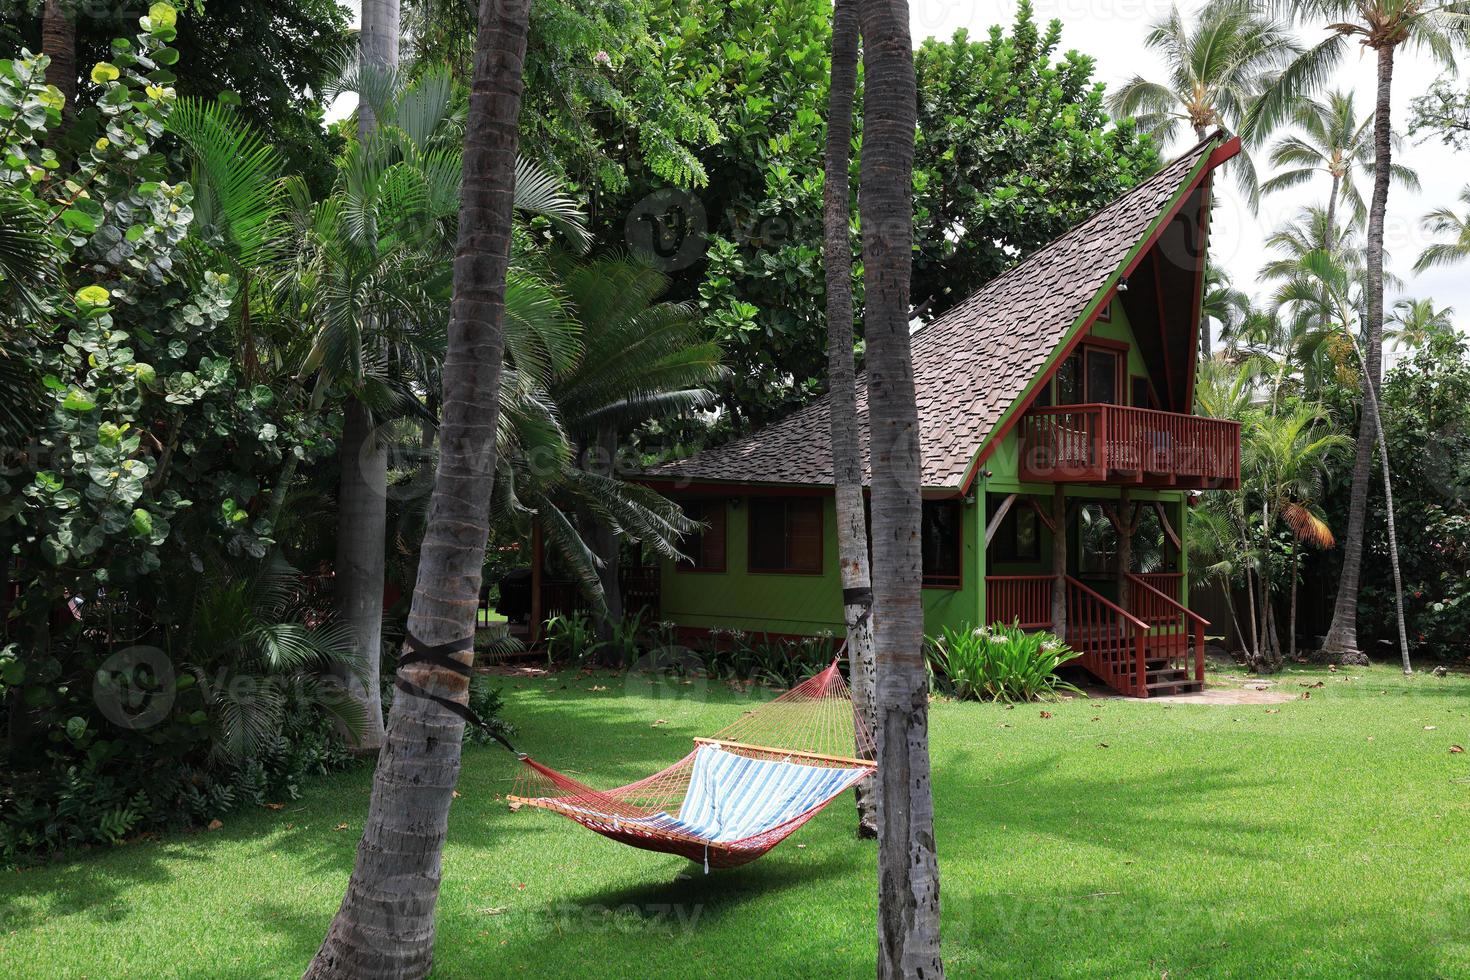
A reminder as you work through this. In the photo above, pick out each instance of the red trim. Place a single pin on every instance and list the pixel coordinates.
(1221, 153)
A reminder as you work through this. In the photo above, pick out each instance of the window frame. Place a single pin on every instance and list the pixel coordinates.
(692, 567)
(949, 583)
(1121, 384)
(786, 502)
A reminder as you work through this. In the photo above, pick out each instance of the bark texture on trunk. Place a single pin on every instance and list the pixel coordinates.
(59, 43)
(1342, 637)
(378, 47)
(385, 926)
(847, 449)
(908, 867)
(362, 526)
(603, 538)
(362, 491)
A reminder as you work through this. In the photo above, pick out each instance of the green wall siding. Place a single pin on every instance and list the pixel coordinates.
(769, 602)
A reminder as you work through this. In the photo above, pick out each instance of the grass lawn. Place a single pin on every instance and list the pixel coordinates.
(1319, 837)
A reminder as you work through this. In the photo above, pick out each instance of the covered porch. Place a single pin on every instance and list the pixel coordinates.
(1112, 583)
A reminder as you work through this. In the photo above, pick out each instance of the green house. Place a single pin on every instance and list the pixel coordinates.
(1059, 454)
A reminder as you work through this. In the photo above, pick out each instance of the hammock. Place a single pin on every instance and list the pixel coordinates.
(737, 794)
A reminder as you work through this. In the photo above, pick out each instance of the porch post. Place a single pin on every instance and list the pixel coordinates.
(1123, 524)
(1059, 560)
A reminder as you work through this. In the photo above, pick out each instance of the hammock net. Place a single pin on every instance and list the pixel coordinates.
(739, 793)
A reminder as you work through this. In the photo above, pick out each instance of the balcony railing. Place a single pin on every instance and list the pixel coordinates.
(1117, 443)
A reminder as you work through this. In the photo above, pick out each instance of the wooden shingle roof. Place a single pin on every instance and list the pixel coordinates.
(974, 361)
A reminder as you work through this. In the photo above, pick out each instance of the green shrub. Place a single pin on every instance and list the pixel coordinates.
(486, 702)
(570, 639)
(998, 663)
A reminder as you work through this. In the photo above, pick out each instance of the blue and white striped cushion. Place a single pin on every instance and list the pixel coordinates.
(732, 797)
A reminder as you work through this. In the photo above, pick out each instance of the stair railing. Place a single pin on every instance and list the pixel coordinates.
(1172, 625)
(1113, 641)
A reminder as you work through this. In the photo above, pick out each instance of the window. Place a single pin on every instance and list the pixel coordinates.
(940, 533)
(1143, 393)
(1091, 374)
(786, 534)
(705, 548)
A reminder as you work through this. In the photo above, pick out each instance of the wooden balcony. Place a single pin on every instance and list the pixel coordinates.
(1118, 444)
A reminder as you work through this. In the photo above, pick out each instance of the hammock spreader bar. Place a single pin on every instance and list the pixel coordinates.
(739, 793)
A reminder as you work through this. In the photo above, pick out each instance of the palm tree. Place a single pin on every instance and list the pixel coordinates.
(847, 451)
(1223, 304)
(385, 926)
(1328, 292)
(908, 866)
(1216, 67)
(1382, 26)
(1416, 322)
(1285, 458)
(641, 360)
(1330, 140)
(1444, 221)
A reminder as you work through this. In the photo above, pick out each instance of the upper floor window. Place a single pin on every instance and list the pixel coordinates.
(1092, 374)
(786, 535)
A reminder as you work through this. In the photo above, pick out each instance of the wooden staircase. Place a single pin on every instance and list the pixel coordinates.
(1155, 646)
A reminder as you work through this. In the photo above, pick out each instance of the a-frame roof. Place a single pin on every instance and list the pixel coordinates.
(972, 363)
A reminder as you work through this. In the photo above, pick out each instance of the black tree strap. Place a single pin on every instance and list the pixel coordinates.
(857, 597)
(442, 656)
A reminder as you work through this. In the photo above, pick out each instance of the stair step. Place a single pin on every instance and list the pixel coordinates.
(1174, 687)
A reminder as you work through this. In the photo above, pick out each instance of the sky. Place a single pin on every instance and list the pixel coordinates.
(1112, 32)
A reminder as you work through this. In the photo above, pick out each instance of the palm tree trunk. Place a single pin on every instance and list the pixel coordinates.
(378, 47)
(847, 450)
(1342, 637)
(362, 525)
(385, 926)
(59, 43)
(1291, 617)
(908, 867)
(604, 542)
(1331, 229)
(362, 497)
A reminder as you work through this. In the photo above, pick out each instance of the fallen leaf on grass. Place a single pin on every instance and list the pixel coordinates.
(1097, 718)
(1456, 749)
(801, 847)
(1430, 728)
(456, 793)
(215, 824)
(275, 806)
(1306, 695)
(520, 886)
(340, 826)
(1273, 711)
(598, 687)
(1046, 714)
(1103, 745)
(657, 723)
(494, 910)
(515, 805)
